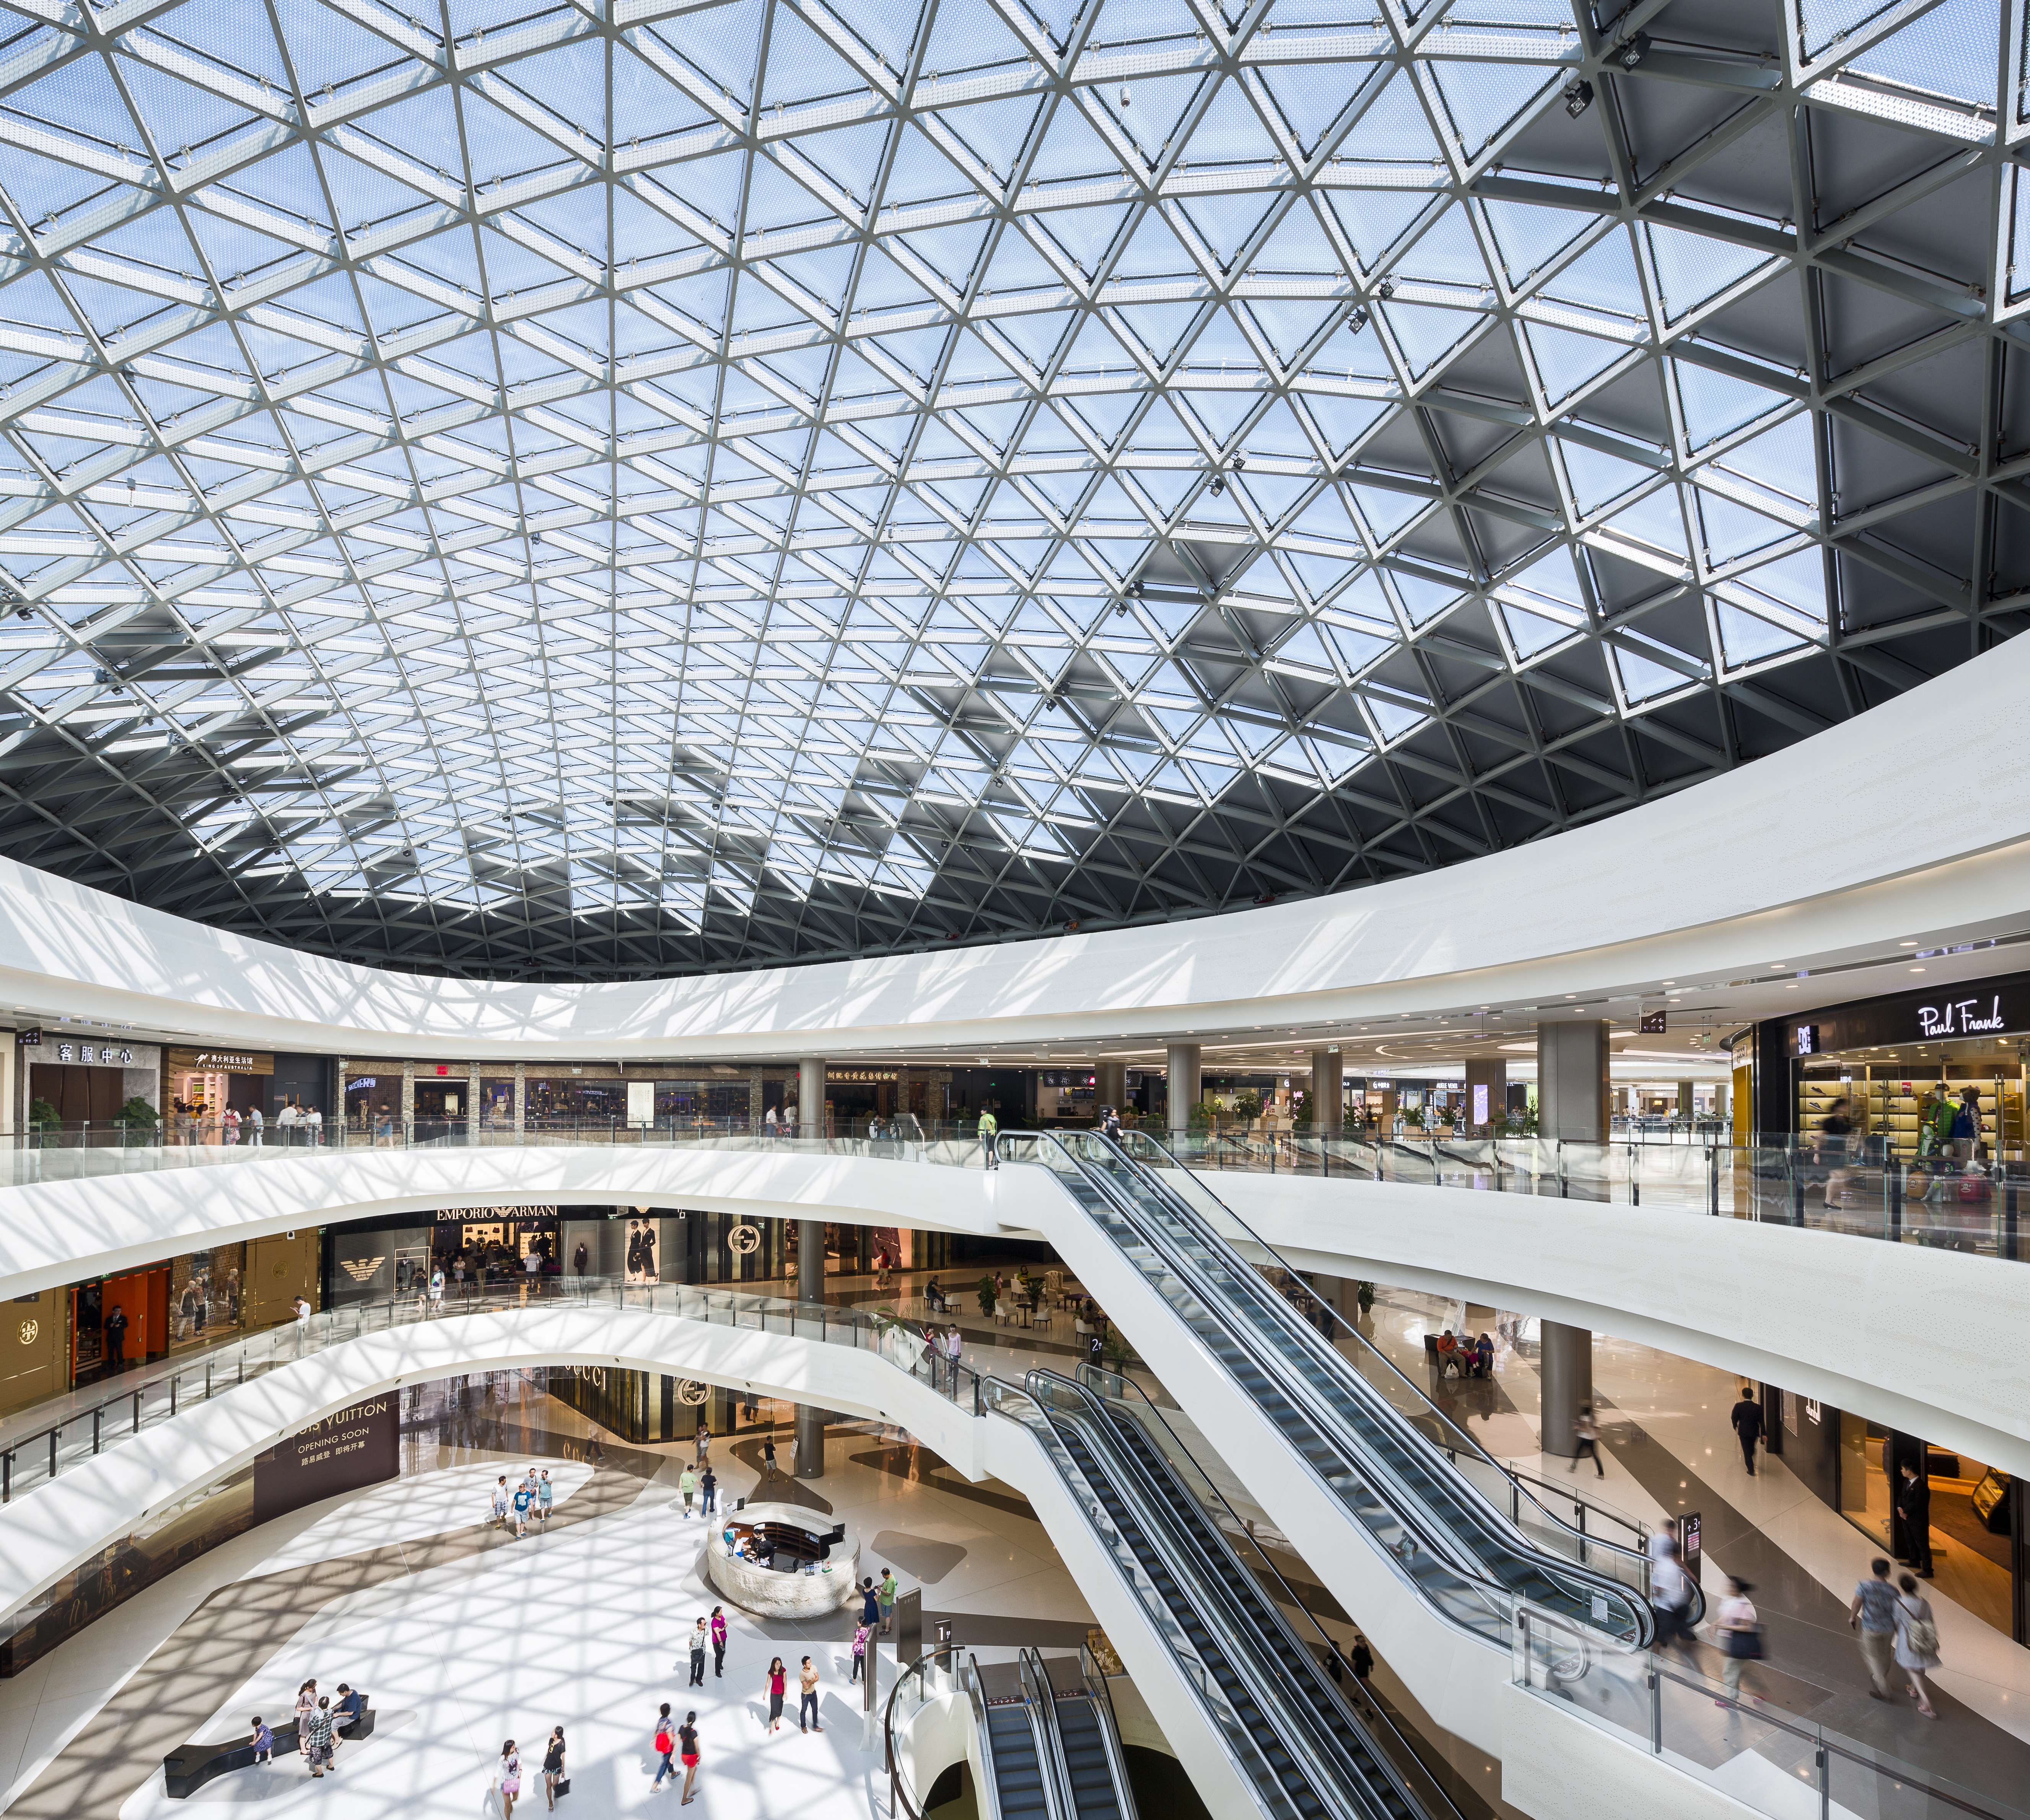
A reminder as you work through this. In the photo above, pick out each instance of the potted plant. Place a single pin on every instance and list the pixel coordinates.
(1248, 1107)
(137, 1120)
(986, 1296)
(43, 1121)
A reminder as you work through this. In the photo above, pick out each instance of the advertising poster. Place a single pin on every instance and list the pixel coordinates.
(361, 1446)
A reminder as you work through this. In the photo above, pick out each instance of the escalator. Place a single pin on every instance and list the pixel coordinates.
(1309, 1754)
(1471, 1558)
(1012, 1750)
(1048, 1753)
(1095, 1772)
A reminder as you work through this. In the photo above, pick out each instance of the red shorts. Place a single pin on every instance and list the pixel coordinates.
(690, 1759)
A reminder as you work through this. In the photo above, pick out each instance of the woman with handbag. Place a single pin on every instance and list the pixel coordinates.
(1740, 1636)
(1916, 1640)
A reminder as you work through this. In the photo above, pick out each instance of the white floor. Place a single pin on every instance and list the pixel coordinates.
(582, 1628)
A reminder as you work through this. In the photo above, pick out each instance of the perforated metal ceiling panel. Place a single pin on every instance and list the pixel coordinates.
(616, 488)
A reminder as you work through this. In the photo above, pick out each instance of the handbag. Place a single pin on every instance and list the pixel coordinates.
(1921, 1633)
(563, 1785)
(1742, 1645)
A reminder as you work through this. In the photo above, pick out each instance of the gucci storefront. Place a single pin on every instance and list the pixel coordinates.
(643, 1406)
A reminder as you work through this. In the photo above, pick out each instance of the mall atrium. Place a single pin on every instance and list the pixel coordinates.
(1125, 891)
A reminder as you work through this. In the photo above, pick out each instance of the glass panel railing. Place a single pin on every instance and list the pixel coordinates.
(38, 1444)
(1772, 1760)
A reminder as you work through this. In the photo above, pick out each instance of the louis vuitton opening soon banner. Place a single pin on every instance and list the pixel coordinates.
(361, 1446)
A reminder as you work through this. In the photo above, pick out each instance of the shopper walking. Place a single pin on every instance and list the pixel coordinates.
(1873, 1613)
(546, 1496)
(1360, 1658)
(990, 1133)
(768, 1457)
(708, 1492)
(888, 1591)
(301, 1310)
(862, 1632)
(1914, 1514)
(687, 1484)
(522, 1501)
(687, 1746)
(700, 1638)
(499, 1503)
(665, 1741)
(1740, 1636)
(807, 1707)
(509, 1778)
(1747, 1420)
(306, 1705)
(1670, 1591)
(555, 1781)
(1916, 1640)
(776, 1680)
(718, 1628)
(1585, 1441)
(704, 1445)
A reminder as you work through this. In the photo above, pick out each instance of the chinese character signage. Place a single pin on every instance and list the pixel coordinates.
(361, 1446)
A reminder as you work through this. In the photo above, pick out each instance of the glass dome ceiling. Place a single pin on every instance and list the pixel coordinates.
(622, 487)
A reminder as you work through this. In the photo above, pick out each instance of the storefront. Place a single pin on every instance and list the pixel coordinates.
(202, 1085)
(88, 1080)
(1897, 1061)
(1978, 1539)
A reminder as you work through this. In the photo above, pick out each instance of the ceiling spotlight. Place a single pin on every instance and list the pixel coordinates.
(1357, 320)
(1385, 289)
(1121, 609)
(535, 536)
(1633, 51)
(22, 613)
(1127, 100)
(1578, 97)
(1218, 485)
(1137, 589)
(1240, 461)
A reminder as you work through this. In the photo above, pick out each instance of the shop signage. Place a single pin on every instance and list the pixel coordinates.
(1653, 1023)
(1690, 1545)
(521, 1215)
(220, 1061)
(76, 1051)
(361, 1446)
(745, 1239)
(1976, 1007)
(1807, 1039)
(858, 1077)
(31, 1039)
(1961, 1016)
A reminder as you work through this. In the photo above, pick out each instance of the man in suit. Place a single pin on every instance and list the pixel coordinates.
(1913, 1511)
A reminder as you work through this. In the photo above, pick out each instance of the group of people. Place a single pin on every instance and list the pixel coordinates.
(1464, 1355)
(697, 1480)
(321, 1725)
(528, 1500)
(506, 1787)
(193, 1122)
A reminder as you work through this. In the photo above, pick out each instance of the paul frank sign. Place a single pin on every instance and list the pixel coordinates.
(1976, 1007)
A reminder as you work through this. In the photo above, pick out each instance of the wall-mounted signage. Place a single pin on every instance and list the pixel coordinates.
(1961, 1016)
(521, 1215)
(858, 1077)
(220, 1061)
(94, 1053)
(1807, 1039)
(31, 1039)
(1976, 1007)
(361, 1446)
(1654, 1022)
(1691, 1545)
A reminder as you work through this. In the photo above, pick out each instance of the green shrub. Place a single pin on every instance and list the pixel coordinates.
(987, 1295)
(43, 1115)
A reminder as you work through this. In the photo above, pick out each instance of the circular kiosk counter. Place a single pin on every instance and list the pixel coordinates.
(792, 1562)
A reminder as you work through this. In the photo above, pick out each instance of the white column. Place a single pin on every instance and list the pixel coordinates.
(810, 1097)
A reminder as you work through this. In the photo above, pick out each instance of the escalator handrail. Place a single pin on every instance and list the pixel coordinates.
(1407, 1507)
(1474, 1496)
(1087, 1372)
(1059, 1801)
(1102, 1696)
(989, 1792)
(1275, 1643)
(900, 1788)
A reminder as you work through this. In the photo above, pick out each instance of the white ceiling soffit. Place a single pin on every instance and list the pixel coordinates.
(595, 492)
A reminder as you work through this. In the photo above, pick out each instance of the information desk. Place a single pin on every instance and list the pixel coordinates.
(792, 1561)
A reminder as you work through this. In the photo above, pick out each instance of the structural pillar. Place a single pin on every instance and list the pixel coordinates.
(408, 1100)
(472, 1104)
(1571, 1082)
(810, 1287)
(1486, 1093)
(810, 1097)
(1109, 1085)
(1685, 1102)
(521, 1099)
(1327, 1092)
(1181, 1084)
(1565, 1378)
